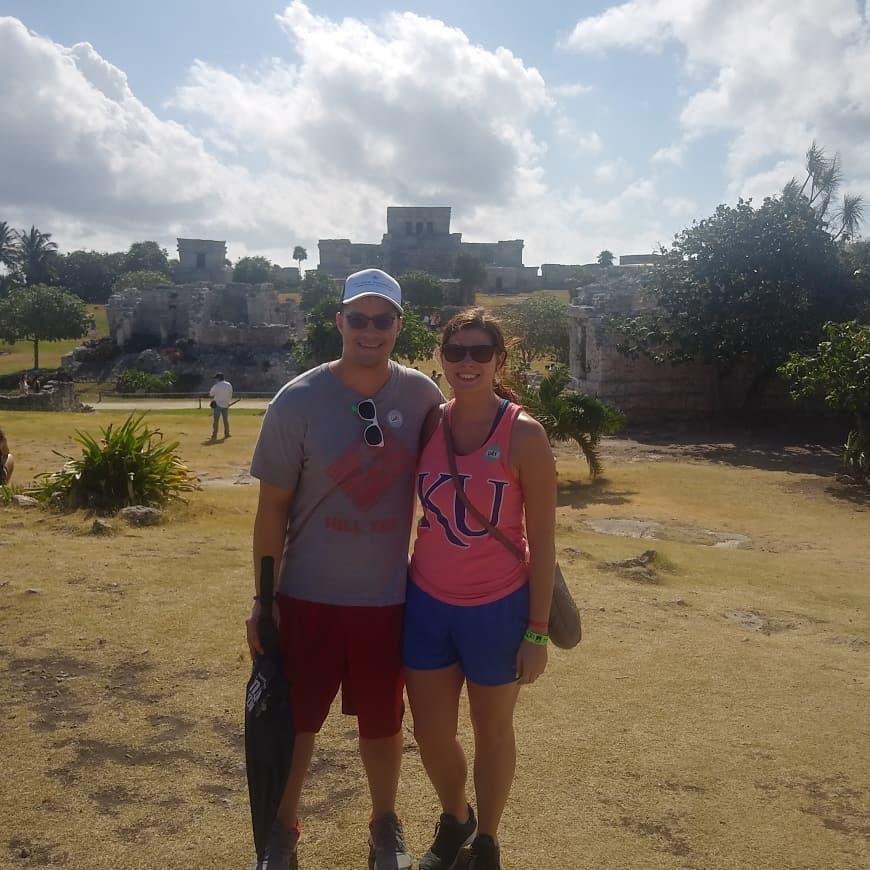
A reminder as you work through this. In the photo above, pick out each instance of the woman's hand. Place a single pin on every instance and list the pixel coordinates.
(531, 662)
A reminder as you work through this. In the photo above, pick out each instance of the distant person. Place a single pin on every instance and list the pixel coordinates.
(221, 399)
(7, 461)
(23, 386)
(37, 384)
(434, 375)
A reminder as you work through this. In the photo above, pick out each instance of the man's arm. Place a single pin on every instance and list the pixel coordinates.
(270, 529)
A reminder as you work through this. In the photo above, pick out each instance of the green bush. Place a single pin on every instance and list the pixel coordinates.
(7, 491)
(130, 464)
(134, 381)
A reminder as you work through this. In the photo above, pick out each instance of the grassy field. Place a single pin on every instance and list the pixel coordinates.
(714, 717)
(19, 356)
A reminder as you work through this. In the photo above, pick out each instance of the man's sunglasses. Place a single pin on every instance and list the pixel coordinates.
(381, 322)
(372, 434)
(480, 353)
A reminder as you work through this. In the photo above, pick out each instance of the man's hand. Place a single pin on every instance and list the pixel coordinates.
(251, 628)
(531, 662)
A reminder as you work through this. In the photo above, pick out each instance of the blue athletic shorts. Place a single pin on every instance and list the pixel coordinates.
(483, 639)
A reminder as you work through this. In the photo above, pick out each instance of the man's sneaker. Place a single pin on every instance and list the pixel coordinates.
(450, 836)
(280, 851)
(483, 854)
(387, 849)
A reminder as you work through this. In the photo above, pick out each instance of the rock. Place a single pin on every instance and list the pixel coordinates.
(638, 572)
(641, 561)
(34, 591)
(24, 501)
(150, 361)
(572, 552)
(140, 515)
(750, 620)
(102, 527)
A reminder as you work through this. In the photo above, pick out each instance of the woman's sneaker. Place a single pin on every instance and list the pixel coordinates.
(483, 854)
(387, 849)
(450, 836)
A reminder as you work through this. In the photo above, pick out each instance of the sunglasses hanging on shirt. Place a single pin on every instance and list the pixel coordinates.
(368, 413)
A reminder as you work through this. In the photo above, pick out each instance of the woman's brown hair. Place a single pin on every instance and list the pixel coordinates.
(480, 318)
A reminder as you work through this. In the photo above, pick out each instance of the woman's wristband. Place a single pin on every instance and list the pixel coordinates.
(536, 637)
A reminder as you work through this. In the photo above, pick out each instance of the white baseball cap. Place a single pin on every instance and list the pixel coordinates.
(372, 282)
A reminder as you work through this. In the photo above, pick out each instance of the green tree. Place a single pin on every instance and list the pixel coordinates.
(322, 339)
(317, 287)
(471, 274)
(42, 313)
(422, 290)
(90, 274)
(416, 342)
(37, 256)
(300, 254)
(146, 257)
(140, 280)
(252, 270)
(745, 285)
(569, 416)
(540, 326)
(605, 258)
(839, 370)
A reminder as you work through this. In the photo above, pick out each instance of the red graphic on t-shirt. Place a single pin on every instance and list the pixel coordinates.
(366, 473)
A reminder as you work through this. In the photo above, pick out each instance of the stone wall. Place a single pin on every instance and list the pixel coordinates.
(341, 257)
(202, 260)
(219, 334)
(54, 396)
(412, 220)
(557, 276)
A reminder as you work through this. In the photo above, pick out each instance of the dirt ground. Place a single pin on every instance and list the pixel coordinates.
(714, 716)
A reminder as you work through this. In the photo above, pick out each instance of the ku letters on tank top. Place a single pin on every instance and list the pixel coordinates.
(455, 559)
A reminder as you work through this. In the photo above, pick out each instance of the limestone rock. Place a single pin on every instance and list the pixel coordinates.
(140, 515)
(102, 527)
(24, 501)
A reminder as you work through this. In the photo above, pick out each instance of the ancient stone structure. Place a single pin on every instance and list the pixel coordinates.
(217, 315)
(641, 389)
(419, 238)
(202, 260)
(53, 396)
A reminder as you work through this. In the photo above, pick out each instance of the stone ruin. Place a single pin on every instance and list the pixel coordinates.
(642, 390)
(52, 396)
(198, 327)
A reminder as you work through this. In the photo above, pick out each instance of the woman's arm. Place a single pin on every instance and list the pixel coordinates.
(532, 459)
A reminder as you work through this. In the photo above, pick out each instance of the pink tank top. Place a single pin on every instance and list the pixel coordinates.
(456, 560)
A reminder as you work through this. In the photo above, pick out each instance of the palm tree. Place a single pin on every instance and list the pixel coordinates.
(605, 258)
(8, 246)
(824, 176)
(36, 254)
(300, 254)
(570, 416)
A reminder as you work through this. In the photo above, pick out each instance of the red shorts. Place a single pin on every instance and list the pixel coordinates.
(358, 648)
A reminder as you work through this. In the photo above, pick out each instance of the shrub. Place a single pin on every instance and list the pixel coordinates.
(130, 464)
(8, 491)
(134, 381)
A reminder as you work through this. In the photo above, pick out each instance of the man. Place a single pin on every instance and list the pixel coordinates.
(221, 399)
(336, 459)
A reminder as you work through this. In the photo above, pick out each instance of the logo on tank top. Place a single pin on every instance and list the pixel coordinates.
(493, 454)
(395, 418)
(456, 527)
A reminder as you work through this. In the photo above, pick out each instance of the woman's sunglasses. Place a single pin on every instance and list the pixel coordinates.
(381, 322)
(372, 434)
(480, 353)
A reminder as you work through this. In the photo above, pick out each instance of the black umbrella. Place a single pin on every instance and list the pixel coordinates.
(269, 731)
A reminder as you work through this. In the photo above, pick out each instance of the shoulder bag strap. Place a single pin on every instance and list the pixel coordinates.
(451, 459)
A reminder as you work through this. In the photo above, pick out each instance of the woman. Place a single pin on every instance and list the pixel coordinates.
(475, 613)
(7, 461)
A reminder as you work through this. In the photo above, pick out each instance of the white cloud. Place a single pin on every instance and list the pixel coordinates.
(613, 170)
(772, 75)
(403, 110)
(577, 89)
(673, 154)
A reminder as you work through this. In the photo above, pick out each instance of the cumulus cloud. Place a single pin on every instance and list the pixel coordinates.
(575, 89)
(359, 116)
(772, 75)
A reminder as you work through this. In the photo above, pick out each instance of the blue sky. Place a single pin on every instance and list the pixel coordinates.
(573, 126)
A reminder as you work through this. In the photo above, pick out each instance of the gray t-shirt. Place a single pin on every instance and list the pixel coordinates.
(352, 508)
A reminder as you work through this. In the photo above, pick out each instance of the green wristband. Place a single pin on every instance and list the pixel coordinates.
(536, 637)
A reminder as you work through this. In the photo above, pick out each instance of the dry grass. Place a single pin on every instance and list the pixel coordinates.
(19, 356)
(672, 738)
